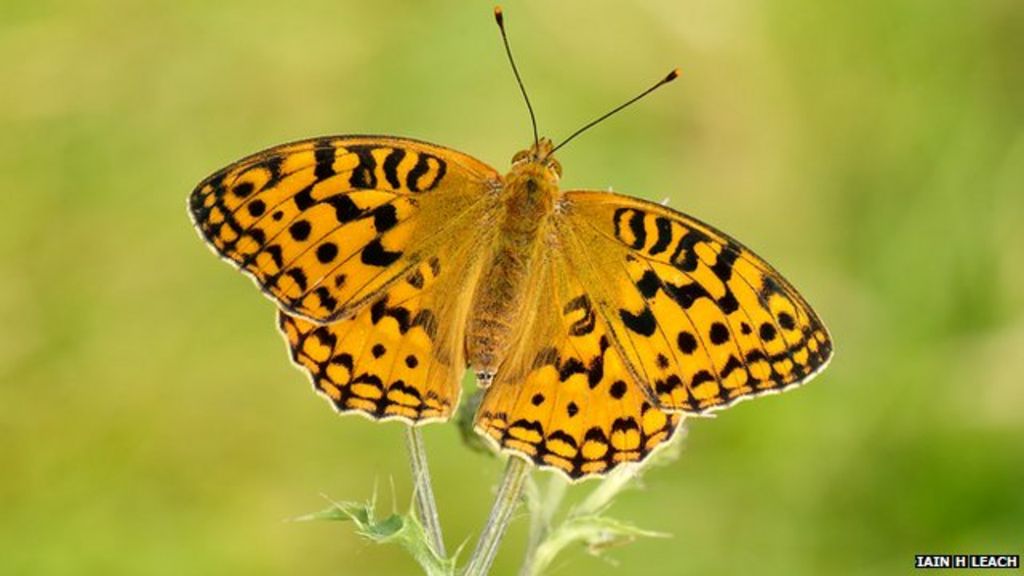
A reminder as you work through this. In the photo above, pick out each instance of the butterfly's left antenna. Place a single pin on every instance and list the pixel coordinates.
(500, 19)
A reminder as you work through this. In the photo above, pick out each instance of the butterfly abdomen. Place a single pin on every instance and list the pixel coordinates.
(528, 199)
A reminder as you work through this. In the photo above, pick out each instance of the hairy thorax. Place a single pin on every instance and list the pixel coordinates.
(529, 195)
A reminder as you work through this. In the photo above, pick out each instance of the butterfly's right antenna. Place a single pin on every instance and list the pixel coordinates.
(671, 76)
(499, 18)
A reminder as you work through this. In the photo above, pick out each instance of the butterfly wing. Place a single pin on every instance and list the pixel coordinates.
(400, 357)
(642, 314)
(699, 318)
(564, 396)
(351, 236)
(324, 226)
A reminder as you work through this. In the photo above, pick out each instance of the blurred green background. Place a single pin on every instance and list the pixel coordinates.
(150, 422)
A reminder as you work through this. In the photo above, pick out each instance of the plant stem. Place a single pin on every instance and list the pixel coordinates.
(542, 511)
(426, 508)
(516, 472)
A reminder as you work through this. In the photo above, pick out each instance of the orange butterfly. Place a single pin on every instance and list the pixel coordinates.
(594, 320)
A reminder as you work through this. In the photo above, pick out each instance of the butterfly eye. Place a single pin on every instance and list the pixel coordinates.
(521, 156)
(555, 166)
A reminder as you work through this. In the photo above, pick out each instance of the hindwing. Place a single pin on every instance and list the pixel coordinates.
(565, 397)
(400, 357)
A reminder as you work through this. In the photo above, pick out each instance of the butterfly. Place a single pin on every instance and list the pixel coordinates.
(594, 321)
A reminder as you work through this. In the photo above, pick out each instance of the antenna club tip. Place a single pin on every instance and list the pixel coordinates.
(673, 75)
(499, 16)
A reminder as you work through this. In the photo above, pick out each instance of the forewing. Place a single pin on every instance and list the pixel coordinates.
(699, 319)
(563, 397)
(325, 225)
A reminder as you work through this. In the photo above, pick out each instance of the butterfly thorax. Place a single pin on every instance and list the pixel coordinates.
(529, 194)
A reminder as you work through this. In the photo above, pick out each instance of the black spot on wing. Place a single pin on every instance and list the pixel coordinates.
(422, 167)
(768, 287)
(686, 342)
(258, 235)
(300, 230)
(635, 220)
(755, 356)
(531, 425)
(570, 367)
(345, 210)
(326, 252)
(636, 226)
(686, 294)
(364, 175)
(664, 227)
(580, 302)
(374, 254)
(324, 156)
(728, 303)
(274, 250)
(724, 263)
(617, 389)
(343, 360)
(256, 207)
(642, 323)
(304, 198)
(391, 167)
(370, 379)
(786, 321)
(718, 333)
(299, 277)
(701, 377)
(326, 300)
(617, 221)
(381, 310)
(625, 424)
(385, 217)
(584, 325)
(416, 279)
(243, 190)
(596, 371)
(667, 385)
(401, 386)
(732, 364)
(685, 256)
(325, 337)
(649, 284)
(273, 165)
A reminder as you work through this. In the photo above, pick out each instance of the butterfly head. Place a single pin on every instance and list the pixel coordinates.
(538, 156)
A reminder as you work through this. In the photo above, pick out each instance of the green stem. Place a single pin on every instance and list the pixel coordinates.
(426, 507)
(547, 503)
(516, 472)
